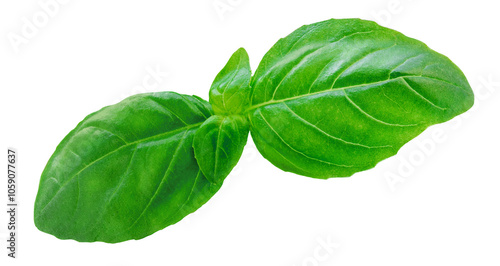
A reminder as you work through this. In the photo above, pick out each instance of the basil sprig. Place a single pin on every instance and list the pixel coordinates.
(329, 100)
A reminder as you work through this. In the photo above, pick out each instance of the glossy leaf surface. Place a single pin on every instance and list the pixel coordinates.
(230, 91)
(218, 145)
(336, 97)
(125, 171)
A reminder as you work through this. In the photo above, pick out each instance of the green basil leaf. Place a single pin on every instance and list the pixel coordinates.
(230, 90)
(125, 171)
(218, 145)
(336, 97)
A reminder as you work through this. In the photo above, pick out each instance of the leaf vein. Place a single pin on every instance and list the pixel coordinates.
(299, 152)
(359, 60)
(120, 182)
(310, 55)
(188, 197)
(112, 133)
(402, 63)
(331, 136)
(371, 117)
(168, 108)
(160, 184)
(217, 147)
(279, 153)
(421, 96)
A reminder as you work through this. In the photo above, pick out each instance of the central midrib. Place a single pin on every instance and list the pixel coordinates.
(338, 89)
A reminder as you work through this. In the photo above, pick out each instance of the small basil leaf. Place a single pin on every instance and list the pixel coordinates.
(218, 145)
(125, 171)
(336, 97)
(230, 90)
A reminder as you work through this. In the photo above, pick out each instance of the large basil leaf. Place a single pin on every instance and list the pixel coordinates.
(336, 97)
(125, 171)
(218, 145)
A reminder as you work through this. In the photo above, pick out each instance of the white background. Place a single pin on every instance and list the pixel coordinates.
(435, 203)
